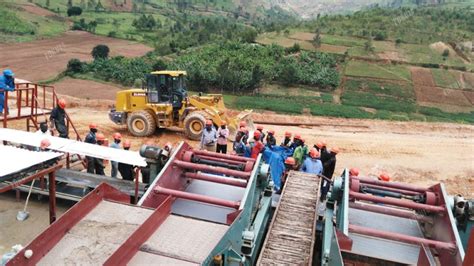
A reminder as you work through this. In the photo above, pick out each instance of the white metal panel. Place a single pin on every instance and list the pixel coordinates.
(14, 159)
(73, 146)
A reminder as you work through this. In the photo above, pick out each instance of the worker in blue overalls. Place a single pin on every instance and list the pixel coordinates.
(7, 83)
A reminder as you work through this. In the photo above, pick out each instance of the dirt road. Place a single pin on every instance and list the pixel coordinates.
(44, 59)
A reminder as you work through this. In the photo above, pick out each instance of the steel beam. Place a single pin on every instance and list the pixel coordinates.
(223, 156)
(371, 181)
(356, 229)
(196, 197)
(52, 197)
(212, 169)
(217, 179)
(397, 190)
(222, 160)
(391, 211)
(469, 259)
(396, 202)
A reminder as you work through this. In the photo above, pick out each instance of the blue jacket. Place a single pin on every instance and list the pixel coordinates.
(7, 84)
(312, 166)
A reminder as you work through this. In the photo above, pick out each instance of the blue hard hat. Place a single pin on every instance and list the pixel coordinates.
(8, 72)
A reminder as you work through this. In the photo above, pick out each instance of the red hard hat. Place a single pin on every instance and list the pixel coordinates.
(62, 103)
(223, 123)
(384, 177)
(287, 134)
(256, 134)
(354, 172)
(297, 136)
(313, 153)
(242, 124)
(92, 125)
(302, 140)
(335, 150)
(319, 145)
(117, 135)
(290, 161)
(323, 142)
(208, 123)
(45, 143)
(127, 143)
(100, 137)
(259, 127)
(272, 132)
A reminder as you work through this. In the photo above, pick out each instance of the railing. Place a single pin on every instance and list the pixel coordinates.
(31, 97)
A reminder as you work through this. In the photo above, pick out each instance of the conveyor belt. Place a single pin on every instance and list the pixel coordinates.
(290, 238)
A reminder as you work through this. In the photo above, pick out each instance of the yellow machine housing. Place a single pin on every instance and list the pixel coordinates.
(163, 103)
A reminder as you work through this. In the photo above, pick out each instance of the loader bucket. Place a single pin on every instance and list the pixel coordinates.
(233, 122)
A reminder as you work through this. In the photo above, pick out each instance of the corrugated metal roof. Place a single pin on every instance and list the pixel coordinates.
(73, 146)
(15, 159)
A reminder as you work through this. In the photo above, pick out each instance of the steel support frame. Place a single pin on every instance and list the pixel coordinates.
(391, 211)
(217, 179)
(25, 180)
(43, 243)
(223, 156)
(396, 185)
(356, 229)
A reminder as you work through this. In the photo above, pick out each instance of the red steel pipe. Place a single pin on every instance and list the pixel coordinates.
(391, 211)
(397, 190)
(223, 156)
(220, 160)
(212, 169)
(401, 238)
(197, 197)
(396, 202)
(218, 179)
(52, 197)
(390, 184)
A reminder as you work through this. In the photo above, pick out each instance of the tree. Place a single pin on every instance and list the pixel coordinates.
(47, 3)
(380, 36)
(74, 66)
(249, 35)
(317, 39)
(159, 65)
(74, 11)
(69, 3)
(398, 42)
(445, 53)
(368, 45)
(101, 51)
(99, 7)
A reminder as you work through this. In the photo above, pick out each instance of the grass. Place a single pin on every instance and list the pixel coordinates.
(365, 69)
(396, 90)
(445, 79)
(418, 53)
(366, 99)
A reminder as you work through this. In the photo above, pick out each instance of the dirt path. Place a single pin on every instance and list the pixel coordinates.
(86, 89)
(44, 59)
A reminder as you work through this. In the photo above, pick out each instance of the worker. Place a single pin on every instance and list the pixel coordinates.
(300, 151)
(222, 136)
(239, 146)
(45, 143)
(99, 163)
(209, 137)
(58, 119)
(116, 145)
(257, 146)
(328, 171)
(296, 142)
(287, 140)
(43, 129)
(324, 153)
(127, 171)
(7, 83)
(91, 139)
(290, 164)
(312, 164)
(271, 141)
(353, 172)
(384, 177)
(262, 135)
(318, 146)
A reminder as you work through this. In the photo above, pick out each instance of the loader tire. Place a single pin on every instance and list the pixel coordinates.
(194, 124)
(141, 124)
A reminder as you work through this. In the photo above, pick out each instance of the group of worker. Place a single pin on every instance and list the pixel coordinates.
(96, 165)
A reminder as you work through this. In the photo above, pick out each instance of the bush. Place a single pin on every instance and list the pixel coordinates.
(74, 11)
(159, 65)
(112, 34)
(296, 48)
(101, 51)
(74, 66)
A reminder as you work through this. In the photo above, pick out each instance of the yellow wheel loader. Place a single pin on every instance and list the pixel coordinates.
(163, 103)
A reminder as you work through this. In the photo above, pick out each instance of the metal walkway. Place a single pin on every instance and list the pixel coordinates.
(290, 238)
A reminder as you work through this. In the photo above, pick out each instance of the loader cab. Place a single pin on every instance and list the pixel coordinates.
(164, 87)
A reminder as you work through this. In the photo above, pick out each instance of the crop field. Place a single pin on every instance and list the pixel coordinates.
(381, 71)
